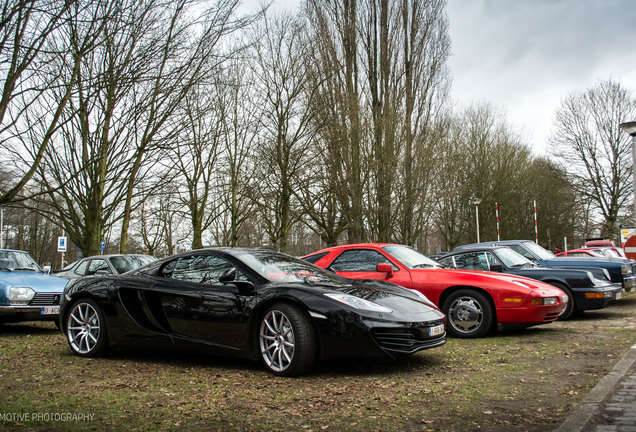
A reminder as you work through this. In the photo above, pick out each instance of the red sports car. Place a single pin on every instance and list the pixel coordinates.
(473, 301)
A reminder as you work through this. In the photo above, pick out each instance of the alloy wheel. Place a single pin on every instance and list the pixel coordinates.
(83, 328)
(277, 341)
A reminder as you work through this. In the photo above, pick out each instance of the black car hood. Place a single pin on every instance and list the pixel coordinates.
(403, 303)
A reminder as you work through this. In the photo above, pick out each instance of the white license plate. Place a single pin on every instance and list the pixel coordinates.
(437, 330)
(619, 295)
(50, 310)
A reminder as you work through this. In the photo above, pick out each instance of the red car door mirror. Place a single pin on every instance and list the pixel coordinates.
(385, 268)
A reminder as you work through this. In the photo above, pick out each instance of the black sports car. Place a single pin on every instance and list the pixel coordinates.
(250, 303)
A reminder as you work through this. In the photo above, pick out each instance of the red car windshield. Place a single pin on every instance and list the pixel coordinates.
(410, 257)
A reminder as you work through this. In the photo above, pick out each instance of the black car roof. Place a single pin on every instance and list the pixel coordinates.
(493, 243)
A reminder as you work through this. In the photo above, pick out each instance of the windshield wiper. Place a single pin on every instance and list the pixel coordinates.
(426, 265)
(26, 268)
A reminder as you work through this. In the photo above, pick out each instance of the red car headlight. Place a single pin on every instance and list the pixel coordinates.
(538, 301)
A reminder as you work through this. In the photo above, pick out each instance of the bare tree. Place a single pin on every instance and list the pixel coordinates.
(426, 46)
(38, 69)
(590, 146)
(188, 53)
(481, 157)
(285, 117)
(335, 69)
(149, 57)
(196, 157)
(380, 67)
(237, 109)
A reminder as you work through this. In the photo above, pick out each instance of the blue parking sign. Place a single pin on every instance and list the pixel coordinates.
(61, 244)
(102, 246)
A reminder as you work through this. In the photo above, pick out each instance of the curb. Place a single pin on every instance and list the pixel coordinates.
(586, 409)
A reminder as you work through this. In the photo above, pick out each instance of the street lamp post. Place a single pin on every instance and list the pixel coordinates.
(630, 128)
(476, 202)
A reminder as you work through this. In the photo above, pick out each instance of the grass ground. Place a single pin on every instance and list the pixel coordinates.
(528, 380)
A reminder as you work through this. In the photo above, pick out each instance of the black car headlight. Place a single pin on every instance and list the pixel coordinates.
(358, 303)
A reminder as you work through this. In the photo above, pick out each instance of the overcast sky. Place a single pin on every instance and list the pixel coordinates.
(525, 56)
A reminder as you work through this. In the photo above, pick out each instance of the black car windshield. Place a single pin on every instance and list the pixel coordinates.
(539, 251)
(410, 257)
(511, 258)
(15, 260)
(277, 267)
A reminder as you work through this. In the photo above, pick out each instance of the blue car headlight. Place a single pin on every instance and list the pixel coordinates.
(626, 270)
(20, 295)
(358, 303)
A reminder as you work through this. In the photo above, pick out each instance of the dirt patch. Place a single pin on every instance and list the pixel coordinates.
(528, 380)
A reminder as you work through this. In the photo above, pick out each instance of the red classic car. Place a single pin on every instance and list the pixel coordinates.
(473, 301)
(583, 252)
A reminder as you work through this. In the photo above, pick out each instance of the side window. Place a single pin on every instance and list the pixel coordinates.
(97, 265)
(201, 269)
(447, 262)
(359, 260)
(472, 261)
(482, 262)
(491, 260)
(81, 269)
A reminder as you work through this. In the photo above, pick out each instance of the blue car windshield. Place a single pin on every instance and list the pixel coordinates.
(16, 260)
(539, 251)
(511, 258)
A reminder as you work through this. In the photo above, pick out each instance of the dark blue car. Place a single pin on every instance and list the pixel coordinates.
(619, 271)
(583, 289)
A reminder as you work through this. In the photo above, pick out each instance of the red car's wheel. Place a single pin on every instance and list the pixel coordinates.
(468, 314)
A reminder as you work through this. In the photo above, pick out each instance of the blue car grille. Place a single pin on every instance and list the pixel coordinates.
(405, 340)
(46, 299)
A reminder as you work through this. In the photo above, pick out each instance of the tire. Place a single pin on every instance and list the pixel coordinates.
(570, 309)
(86, 329)
(287, 341)
(469, 314)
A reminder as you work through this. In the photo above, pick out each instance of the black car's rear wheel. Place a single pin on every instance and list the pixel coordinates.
(85, 329)
(468, 314)
(287, 340)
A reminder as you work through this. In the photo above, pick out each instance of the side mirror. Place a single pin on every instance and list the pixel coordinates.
(496, 268)
(385, 268)
(228, 275)
(47, 269)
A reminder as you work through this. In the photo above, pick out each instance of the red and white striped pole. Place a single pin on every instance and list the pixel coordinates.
(497, 215)
(536, 232)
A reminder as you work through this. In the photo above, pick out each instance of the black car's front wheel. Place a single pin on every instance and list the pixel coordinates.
(85, 329)
(468, 313)
(570, 308)
(287, 340)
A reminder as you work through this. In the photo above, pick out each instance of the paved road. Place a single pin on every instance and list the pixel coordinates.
(611, 405)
